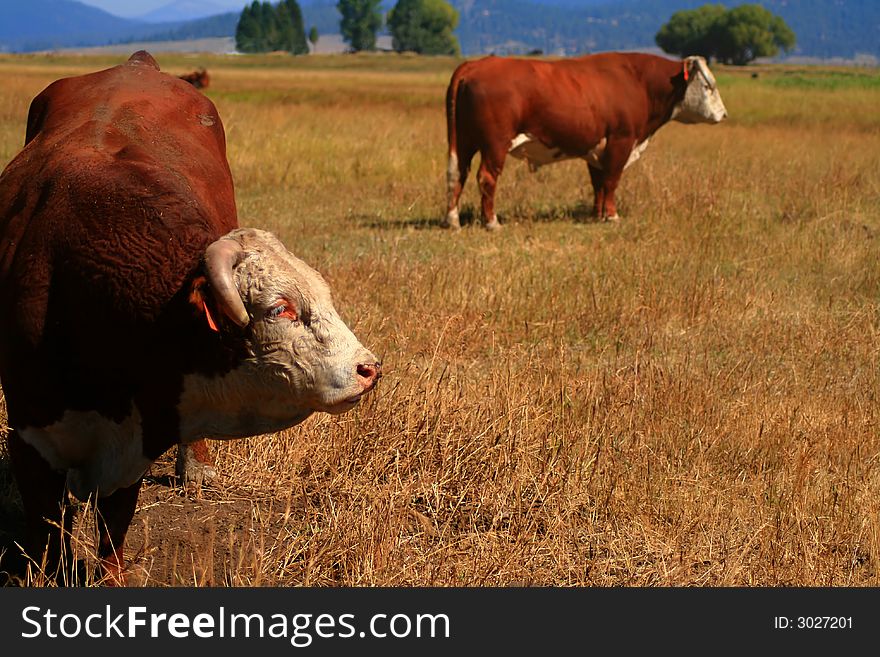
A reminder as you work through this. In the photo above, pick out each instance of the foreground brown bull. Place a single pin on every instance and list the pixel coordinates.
(599, 108)
(134, 313)
(194, 462)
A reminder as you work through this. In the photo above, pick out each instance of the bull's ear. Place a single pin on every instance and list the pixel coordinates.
(198, 298)
(690, 66)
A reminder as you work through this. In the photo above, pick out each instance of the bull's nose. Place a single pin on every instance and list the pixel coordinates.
(368, 374)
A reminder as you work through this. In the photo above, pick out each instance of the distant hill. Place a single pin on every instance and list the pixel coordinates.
(184, 10)
(575, 4)
(220, 25)
(321, 14)
(49, 24)
(824, 28)
(40, 24)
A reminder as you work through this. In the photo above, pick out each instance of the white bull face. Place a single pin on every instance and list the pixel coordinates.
(301, 358)
(701, 103)
(297, 333)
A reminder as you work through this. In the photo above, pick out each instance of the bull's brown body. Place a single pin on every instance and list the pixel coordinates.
(104, 217)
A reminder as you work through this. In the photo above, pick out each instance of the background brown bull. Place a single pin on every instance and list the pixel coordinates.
(599, 108)
(198, 78)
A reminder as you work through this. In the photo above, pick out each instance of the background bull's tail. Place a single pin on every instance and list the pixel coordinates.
(453, 182)
(451, 98)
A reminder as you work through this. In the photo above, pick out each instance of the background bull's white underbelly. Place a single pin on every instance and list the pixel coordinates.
(525, 147)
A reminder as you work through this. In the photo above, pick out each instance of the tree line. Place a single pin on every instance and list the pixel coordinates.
(421, 26)
(264, 27)
(732, 36)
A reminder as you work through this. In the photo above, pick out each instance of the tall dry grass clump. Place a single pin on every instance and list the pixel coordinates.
(686, 398)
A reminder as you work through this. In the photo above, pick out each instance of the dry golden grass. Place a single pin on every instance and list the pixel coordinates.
(686, 398)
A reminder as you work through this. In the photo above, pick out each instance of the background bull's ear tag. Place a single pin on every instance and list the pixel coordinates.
(685, 71)
(211, 321)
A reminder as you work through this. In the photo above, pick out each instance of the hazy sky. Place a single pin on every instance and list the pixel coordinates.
(131, 8)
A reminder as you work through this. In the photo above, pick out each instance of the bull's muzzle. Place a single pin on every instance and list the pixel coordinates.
(368, 374)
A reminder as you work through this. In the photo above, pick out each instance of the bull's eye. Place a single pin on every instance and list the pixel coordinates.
(282, 309)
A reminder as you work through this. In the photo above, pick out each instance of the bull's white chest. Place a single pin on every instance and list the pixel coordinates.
(525, 147)
(225, 407)
(99, 455)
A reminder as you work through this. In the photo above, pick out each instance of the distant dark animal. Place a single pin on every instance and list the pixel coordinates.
(599, 108)
(134, 313)
(198, 78)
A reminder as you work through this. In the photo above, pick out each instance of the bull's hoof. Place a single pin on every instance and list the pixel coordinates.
(111, 575)
(613, 219)
(493, 225)
(451, 222)
(194, 465)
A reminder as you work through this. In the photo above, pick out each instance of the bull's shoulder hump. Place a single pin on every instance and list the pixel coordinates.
(142, 58)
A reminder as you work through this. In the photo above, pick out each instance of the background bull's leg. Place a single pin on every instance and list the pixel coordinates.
(456, 175)
(614, 160)
(114, 516)
(597, 178)
(491, 165)
(48, 516)
(194, 463)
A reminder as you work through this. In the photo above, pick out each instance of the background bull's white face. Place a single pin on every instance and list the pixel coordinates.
(702, 103)
(297, 336)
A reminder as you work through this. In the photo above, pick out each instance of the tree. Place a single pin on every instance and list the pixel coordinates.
(689, 32)
(424, 26)
(748, 32)
(264, 27)
(249, 32)
(361, 19)
(292, 31)
(269, 23)
(737, 36)
(283, 32)
(313, 37)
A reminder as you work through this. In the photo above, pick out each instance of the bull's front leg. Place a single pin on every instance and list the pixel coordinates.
(491, 165)
(114, 516)
(194, 463)
(606, 177)
(597, 178)
(48, 516)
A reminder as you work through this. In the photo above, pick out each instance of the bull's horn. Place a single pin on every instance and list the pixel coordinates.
(220, 259)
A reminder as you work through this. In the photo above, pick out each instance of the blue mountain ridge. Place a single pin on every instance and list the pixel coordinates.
(824, 28)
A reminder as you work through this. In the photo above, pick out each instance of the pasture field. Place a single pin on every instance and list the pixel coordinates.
(686, 398)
